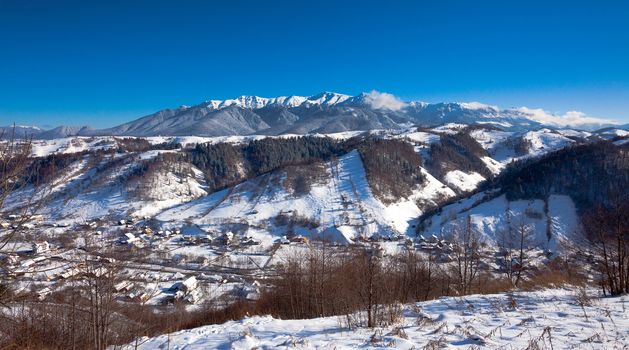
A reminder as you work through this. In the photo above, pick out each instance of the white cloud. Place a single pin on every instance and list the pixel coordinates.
(570, 118)
(477, 105)
(383, 100)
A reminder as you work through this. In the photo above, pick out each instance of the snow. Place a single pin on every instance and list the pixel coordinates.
(326, 99)
(489, 139)
(492, 217)
(342, 203)
(463, 181)
(501, 149)
(258, 201)
(403, 213)
(493, 165)
(450, 128)
(477, 106)
(515, 320)
(170, 191)
(565, 223)
(41, 148)
(618, 132)
(421, 137)
(621, 142)
(545, 140)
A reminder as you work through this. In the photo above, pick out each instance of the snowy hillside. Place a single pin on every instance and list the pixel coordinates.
(548, 224)
(339, 205)
(543, 319)
(342, 205)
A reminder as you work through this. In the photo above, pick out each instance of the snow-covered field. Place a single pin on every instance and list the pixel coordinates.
(546, 319)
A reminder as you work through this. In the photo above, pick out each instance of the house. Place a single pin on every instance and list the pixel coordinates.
(283, 240)
(28, 263)
(250, 241)
(252, 292)
(11, 259)
(69, 273)
(101, 271)
(37, 217)
(41, 294)
(227, 237)
(299, 239)
(190, 283)
(188, 240)
(39, 259)
(185, 286)
(128, 238)
(205, 239)
(41, 247)
(123, 286)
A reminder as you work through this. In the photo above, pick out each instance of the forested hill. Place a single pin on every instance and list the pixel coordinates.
(591, 174)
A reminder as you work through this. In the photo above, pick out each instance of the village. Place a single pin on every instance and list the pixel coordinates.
(155, 266)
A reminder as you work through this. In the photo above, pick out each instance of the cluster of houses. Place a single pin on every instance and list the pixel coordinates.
(16, 221)
(441, 248)
(23, 261)
(146, 236)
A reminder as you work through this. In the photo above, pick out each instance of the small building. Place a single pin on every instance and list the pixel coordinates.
(128, 238)
(123, 286)
(186, 285)
(299, 239)
(283, 240)
(42, 293)
(250, 241)
(41, 247)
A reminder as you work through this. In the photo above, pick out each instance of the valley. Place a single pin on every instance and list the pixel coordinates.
(205, 221)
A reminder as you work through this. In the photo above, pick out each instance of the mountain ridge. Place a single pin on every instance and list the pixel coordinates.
(325, 112)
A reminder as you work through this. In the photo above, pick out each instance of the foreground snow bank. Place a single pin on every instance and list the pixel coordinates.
(492, 321)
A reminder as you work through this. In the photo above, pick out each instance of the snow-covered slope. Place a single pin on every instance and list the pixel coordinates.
(549, 224)
(339, 205)
(84, 192)
(342, 204)
(541, 320)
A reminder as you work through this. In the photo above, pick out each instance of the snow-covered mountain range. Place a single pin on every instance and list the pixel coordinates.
(326, 112)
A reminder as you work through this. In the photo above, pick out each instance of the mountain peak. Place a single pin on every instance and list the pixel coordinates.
(327, 98)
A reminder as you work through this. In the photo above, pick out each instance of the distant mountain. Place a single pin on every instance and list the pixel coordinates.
(327, 112)
(18, 131)
(64, 131)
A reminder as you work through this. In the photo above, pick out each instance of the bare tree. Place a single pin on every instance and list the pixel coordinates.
(515, 243)
(607, 229)
(369, 288)
(466, 243)
(14, 160)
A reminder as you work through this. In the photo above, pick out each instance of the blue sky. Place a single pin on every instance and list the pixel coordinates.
(102, 63)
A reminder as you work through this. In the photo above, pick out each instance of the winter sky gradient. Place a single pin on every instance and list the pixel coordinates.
(106, 62)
